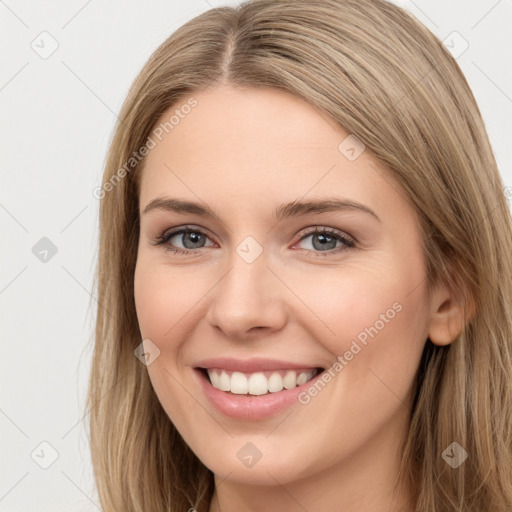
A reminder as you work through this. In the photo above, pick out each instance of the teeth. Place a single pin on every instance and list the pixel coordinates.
(290, 380)
(239, 384)
(275, 383)
(224, 382)
(302, 379)
(214, 379)
(258, 383)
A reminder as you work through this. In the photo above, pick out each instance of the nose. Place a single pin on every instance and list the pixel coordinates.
(248, 300)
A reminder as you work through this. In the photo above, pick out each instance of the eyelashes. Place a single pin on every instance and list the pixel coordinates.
(165, 237)
(325, 236)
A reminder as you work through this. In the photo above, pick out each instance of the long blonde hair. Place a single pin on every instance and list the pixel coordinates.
(383, 76)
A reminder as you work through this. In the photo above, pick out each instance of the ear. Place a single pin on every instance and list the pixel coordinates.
(449, 313)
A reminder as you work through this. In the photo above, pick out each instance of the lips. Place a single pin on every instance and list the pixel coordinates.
(252, 365)
(247, 399)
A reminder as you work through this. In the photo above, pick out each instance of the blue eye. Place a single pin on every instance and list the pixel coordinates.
(194, 237)
(324, 240)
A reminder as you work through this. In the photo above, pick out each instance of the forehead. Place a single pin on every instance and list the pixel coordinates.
(259, 146)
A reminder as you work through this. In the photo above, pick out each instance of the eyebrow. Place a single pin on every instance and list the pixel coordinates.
(294, 209)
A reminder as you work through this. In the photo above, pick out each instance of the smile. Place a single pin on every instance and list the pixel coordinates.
(259, 383)
(254, 389)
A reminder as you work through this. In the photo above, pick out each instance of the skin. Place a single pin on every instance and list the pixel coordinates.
(243, 152)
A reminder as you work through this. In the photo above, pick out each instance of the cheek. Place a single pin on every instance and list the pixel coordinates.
(357, 300)
(373, 319)
(380, 326)
(163, 297)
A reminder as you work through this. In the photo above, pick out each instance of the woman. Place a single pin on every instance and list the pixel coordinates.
(304, 274)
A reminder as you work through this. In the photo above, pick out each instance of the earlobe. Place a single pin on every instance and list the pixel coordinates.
(449, 315)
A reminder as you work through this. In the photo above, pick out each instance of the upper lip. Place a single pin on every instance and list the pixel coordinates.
(251, 365)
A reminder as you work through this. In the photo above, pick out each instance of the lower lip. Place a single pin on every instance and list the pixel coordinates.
(251, 407)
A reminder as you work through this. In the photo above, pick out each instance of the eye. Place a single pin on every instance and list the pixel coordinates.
(190, 237)
(324, 241)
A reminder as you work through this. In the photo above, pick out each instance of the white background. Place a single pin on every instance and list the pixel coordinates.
(57, 119)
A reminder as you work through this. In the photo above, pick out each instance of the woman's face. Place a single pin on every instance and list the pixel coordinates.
(255, 296)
